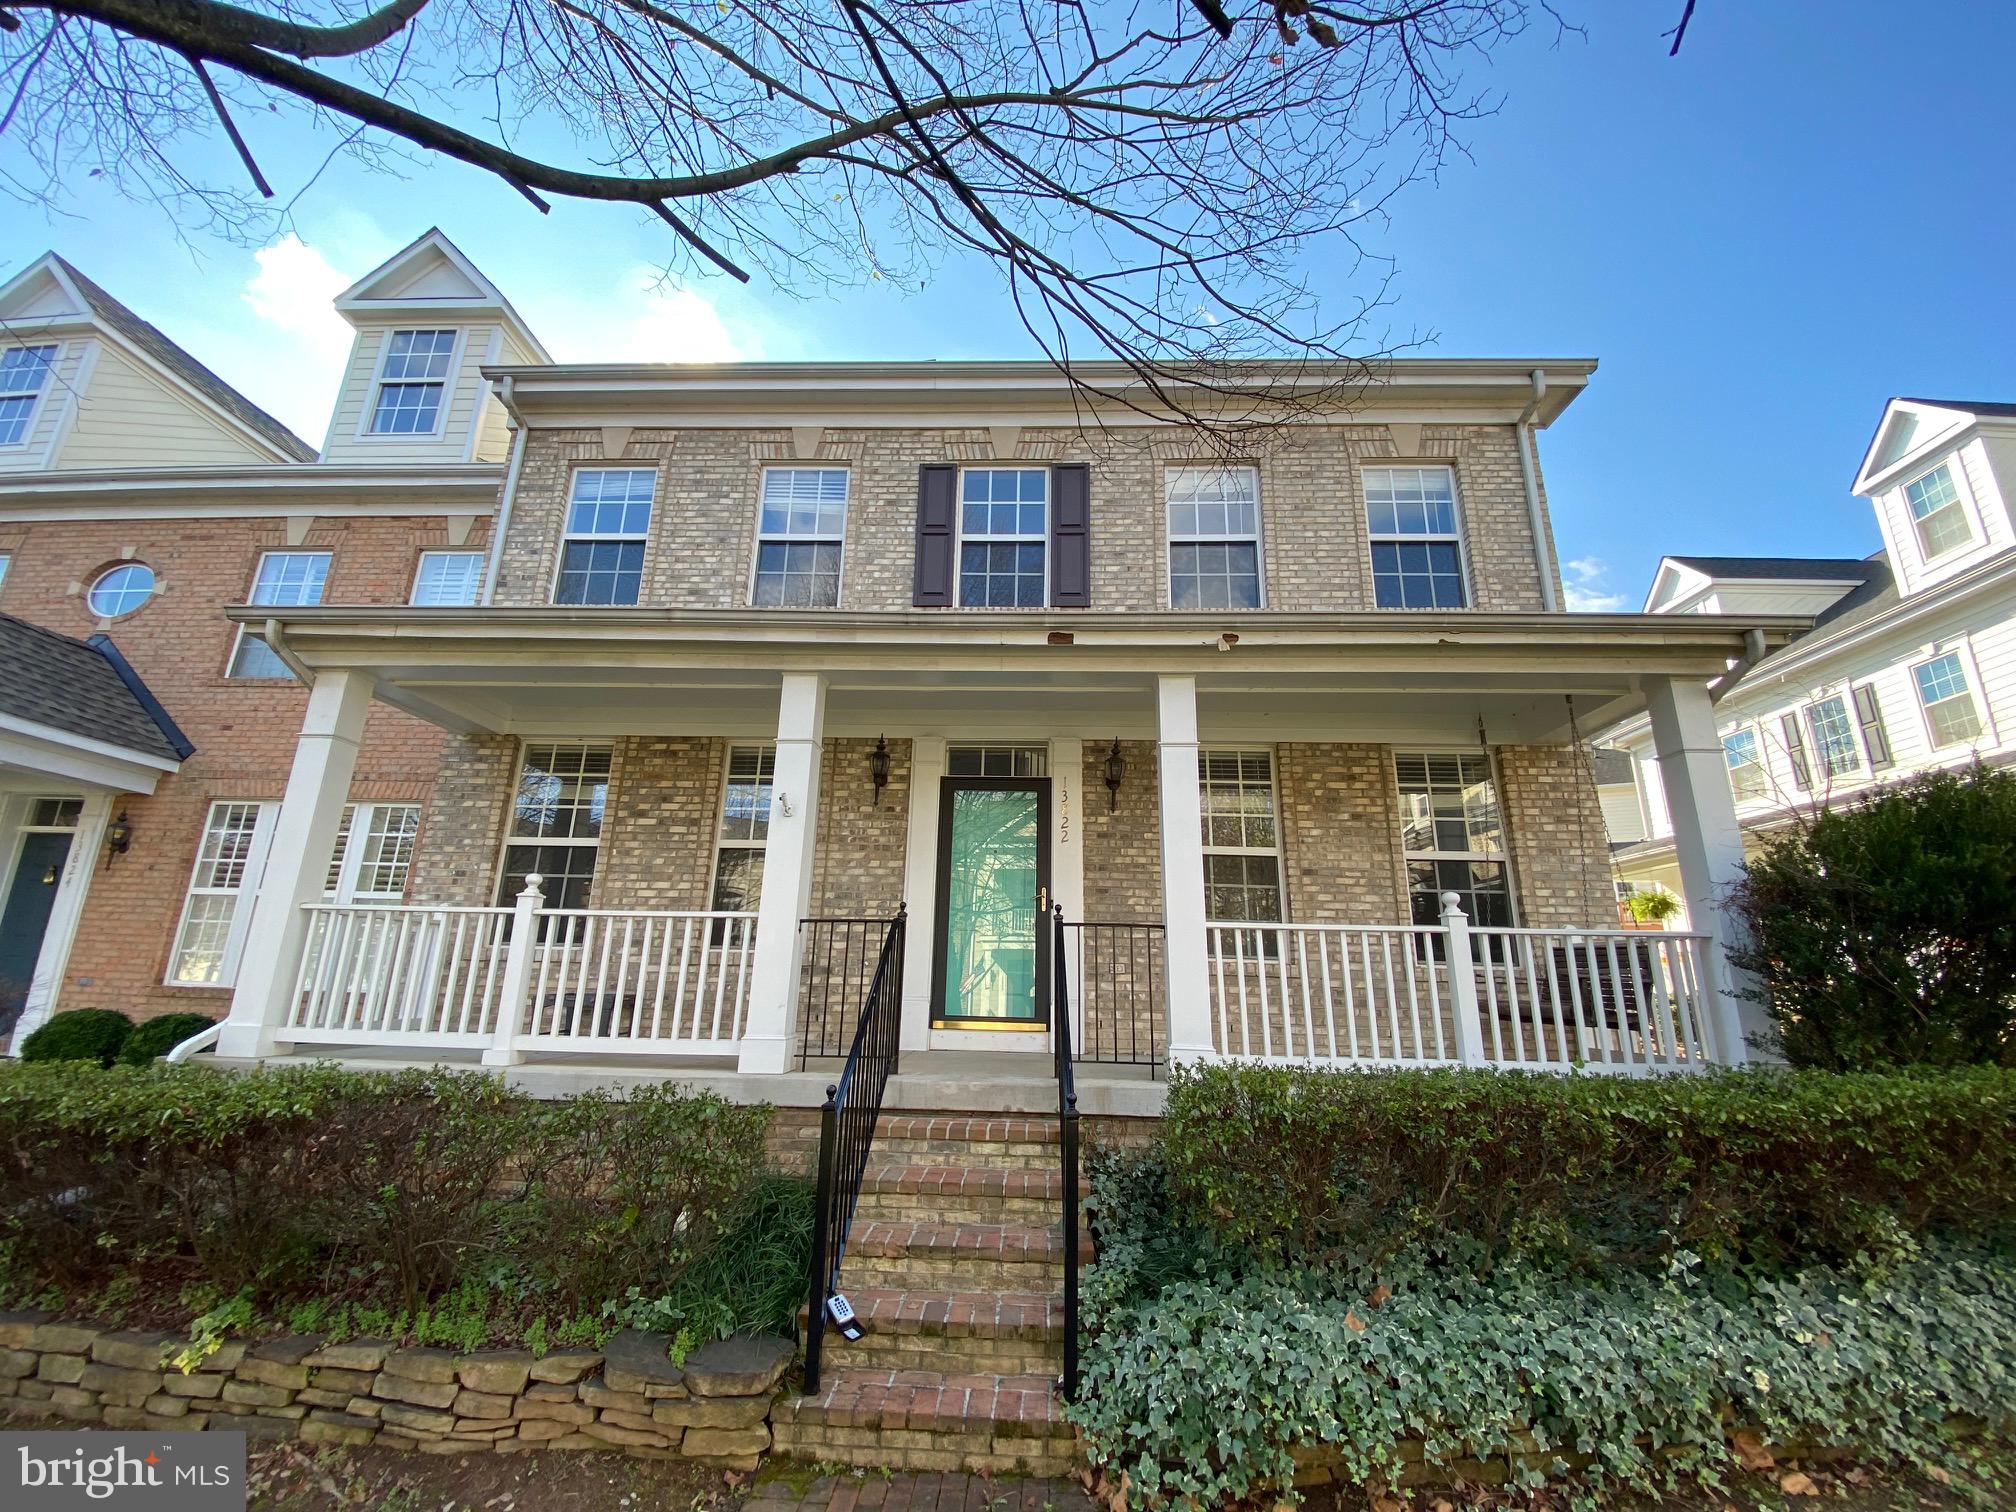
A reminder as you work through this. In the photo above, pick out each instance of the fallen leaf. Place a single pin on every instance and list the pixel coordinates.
(1944, 1477)
(1353, 1322)
(1117, 1502)
(1442, 1504)
(1381, 1295)
(1797, 1483)
(1384, 1503)
(1751, 1451)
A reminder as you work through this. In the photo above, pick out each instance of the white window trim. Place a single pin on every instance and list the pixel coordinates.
(1501, 857)
(566, 535)
(50, 381)
(1461, 536)
(6, 566)
(1984, 737)
(1816, 766)
(1211, 748)
(420, 567)
(503, 867)
(350, 860)
(959, 536)
(1763, 762)
(763, 539)
(246, 894)
(1172, 538)
(1963, 496)
(258, 571)
(721, 839)
(450, 382)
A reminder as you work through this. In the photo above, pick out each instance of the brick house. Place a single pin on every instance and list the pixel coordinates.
(140, 495)
(1293, 738)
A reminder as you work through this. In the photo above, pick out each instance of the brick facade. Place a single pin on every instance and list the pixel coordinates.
(1340, 833)
(1560, 849)
(244, 730)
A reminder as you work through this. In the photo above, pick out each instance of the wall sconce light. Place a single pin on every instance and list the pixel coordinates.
(118, 837)
(1116, 773)
(878, 766)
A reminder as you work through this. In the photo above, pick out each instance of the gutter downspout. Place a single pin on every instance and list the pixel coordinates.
(1522, 435)
(276, 643)
(501, 521)
(1753, 653)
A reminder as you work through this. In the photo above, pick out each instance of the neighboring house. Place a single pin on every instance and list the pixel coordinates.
(772, 649)
(1910, 666)
(140, 495)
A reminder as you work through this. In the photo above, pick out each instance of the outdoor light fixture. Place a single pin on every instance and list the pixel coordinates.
(1116, 773)
(118, 837)
(878, 765)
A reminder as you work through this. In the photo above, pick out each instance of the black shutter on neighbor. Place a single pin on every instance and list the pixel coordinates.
(1874, 738)
(1795, 747)
(1071, 536)
(937, 500)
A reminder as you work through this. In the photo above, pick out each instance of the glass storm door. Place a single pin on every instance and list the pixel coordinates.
(994, 881)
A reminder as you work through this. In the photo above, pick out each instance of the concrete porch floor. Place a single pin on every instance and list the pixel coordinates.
(950, 1081)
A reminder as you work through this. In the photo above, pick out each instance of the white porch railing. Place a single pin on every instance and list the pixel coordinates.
(1630, 1001)
(510, 981)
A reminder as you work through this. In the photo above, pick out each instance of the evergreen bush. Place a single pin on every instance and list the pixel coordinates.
(155, 1037)
(81, 1034)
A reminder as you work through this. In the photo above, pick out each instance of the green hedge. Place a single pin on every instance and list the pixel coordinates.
(1763, 1167)
(82, 1034)
(402, 1188)
(155, 1037)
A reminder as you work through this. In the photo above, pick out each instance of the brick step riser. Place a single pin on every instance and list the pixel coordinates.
(964, 1155)
(915, 1449)
(951, 1271)
(954, 1207)
(948, 1356)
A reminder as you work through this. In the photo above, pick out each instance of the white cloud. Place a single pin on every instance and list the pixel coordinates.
(644, 318)
(303, 342)
(1583, 587)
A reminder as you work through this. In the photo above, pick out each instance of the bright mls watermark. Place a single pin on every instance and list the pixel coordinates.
(125, 1472)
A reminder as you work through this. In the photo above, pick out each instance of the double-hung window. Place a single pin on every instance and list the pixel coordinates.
(1833, 732)
(1453, 834)
(288, 579)
(1747, 776)
(374, 853)
(800, 530)
(448, 579)
(412, 378)
(556, 822)
(608, 522)
(1214, 537)
(1242, 838)
(1004, 528)
(745, 828)
(217, 910)
(24, 373)
(1417, 542)
(1937, 512)
(1948, 701)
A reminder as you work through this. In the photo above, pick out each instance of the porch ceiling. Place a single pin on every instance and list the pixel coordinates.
(1260, 677)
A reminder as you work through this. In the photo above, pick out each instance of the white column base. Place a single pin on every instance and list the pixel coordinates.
(763, 1055)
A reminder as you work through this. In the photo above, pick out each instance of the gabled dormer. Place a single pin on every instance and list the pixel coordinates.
(427, 322)
(1760, 585)
(85, 384)
(1941, 473)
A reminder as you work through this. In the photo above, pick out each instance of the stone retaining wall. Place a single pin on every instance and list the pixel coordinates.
(714, 1408)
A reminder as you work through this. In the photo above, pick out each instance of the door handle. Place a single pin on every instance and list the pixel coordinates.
(1043, 900)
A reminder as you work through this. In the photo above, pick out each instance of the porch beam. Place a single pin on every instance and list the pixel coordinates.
(297, 866)
(767, 1037)
(1188, 973)
(1708, 844)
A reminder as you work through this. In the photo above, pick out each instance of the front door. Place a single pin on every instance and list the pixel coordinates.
(25, 918)
(989, 969)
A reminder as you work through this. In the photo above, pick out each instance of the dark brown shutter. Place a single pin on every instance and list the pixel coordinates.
(1870, 714)
(1795, 747)
(937, 500)
(1071, 536)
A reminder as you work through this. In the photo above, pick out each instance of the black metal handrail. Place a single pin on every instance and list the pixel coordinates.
(838, 958)
(1121, 971)
(847, 1130)
(1067, 1144)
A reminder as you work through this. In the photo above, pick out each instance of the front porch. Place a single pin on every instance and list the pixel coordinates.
(1354, 845)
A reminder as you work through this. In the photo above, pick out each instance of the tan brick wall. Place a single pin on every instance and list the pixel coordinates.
(660, 825)
(456, 859)
(1560, 850)
(1340, 833)
(1313, 536)
(1123, 849)
(244, 731)
(857, 869)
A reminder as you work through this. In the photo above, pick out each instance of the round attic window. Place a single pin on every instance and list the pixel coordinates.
(120, 590)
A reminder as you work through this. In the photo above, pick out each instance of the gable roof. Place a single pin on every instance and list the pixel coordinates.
(149, 339)
(1779, 569)
(1911, 429)
(431, 275)
(85, 688)
(1991, 407)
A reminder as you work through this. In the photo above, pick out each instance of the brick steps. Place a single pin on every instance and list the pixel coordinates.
(957, 1256)
(929, 1420)
(954, 1332)
(893, 1192)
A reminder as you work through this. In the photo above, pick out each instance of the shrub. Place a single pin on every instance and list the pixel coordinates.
(1885, 934)
(82, 1034)
(155, 1037)
(1762, 1166)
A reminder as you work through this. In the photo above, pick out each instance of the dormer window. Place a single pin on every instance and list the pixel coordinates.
(24, 371)
(410, 383)
(1938, 513)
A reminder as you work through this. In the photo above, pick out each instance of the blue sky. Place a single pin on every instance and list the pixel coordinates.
(1806, 212)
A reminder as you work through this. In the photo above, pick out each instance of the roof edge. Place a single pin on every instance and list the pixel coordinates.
(182, 745)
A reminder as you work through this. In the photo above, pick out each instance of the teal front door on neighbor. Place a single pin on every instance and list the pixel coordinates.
(989, 969)
(24, 919)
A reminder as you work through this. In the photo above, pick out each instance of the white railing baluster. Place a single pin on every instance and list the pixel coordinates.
(1302, 971)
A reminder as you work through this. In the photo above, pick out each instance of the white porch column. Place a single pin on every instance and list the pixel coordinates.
(920, 888)
(297, 866)
(787, 874)
(1709, 846)
(1188, 975)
